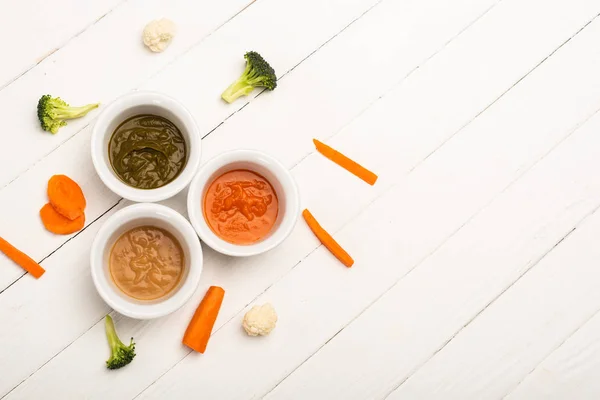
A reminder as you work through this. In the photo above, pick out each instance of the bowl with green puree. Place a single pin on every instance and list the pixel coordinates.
(146, 146)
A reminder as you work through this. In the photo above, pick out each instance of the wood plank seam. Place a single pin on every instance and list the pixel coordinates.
(193, 46)
(314, 353)
(580, 222)
(562, 343)
(577, 126)
(317, 247)
(417, 368)
(405, 77)
(528, 268)
(354, 216)
(64, 243)
(212, 130)
(532, 265)
(451, 338)
(507, 90)
(92, 120)
(65, 43)
(433, 252)
(349, 221)
(236, 315)
(51, 358)
(90, 123)
(295, 66)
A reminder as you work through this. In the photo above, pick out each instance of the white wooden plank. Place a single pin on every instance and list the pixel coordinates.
(335, 218)
(319, 301)
(56, 303)
(74, 164)
(260, 271)
(97, 66)
(78, 162)
(36, 28)
(73, 158)
(397, 334)
(543, 308)
(400, 332)
(572, 370)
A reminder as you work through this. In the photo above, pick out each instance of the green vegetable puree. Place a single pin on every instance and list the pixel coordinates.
(147, 151)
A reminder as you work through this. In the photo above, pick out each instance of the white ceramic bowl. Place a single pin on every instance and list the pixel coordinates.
(131, 217)
(136, 103)
(280, 178)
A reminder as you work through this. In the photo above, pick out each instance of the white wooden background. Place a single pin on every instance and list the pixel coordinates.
(477, 252)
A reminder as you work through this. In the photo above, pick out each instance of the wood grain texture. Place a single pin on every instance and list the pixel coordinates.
(381, 348)
(573, 367)
(72, 157)
(35, 29)
(261, 277)
(97, 66)
(474, 274)
(438, 191)
(531, 319)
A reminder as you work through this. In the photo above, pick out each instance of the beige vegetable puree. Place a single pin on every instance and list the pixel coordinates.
(146, 263)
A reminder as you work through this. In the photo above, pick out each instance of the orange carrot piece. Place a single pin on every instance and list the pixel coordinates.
(22, 259)
(346, 163)
(57, 223)
(200, 327)
(66, 196)
(327, 240)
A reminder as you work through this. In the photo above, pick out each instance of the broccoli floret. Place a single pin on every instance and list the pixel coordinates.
(52, 112)
(258, 72)
(121, 355)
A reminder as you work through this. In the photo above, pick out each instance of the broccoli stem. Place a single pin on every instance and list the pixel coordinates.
(73, 112)
(239, 88)
(111, 334)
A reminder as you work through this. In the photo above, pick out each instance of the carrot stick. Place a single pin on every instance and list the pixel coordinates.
(345, 162)
(198, 331)
(22, 259)
(327, 240)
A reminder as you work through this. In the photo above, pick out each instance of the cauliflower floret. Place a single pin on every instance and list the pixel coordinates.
(158, 34)
(260, 320)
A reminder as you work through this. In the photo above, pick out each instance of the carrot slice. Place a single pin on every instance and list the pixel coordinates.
(198, 331)
(346, 163)
(66, 196)
(22, 259)
(327, 240)
(57, 223)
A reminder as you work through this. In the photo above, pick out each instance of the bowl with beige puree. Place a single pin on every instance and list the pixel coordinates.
(146, 261)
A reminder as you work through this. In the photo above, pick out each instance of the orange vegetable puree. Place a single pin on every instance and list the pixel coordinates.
(241, 207)
(146, 262)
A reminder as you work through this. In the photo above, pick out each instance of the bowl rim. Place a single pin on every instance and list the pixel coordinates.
(100, 131)
(102, 240)
(201, 180)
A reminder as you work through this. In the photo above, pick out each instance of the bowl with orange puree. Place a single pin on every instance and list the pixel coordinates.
(146, 261)
(243, 203)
